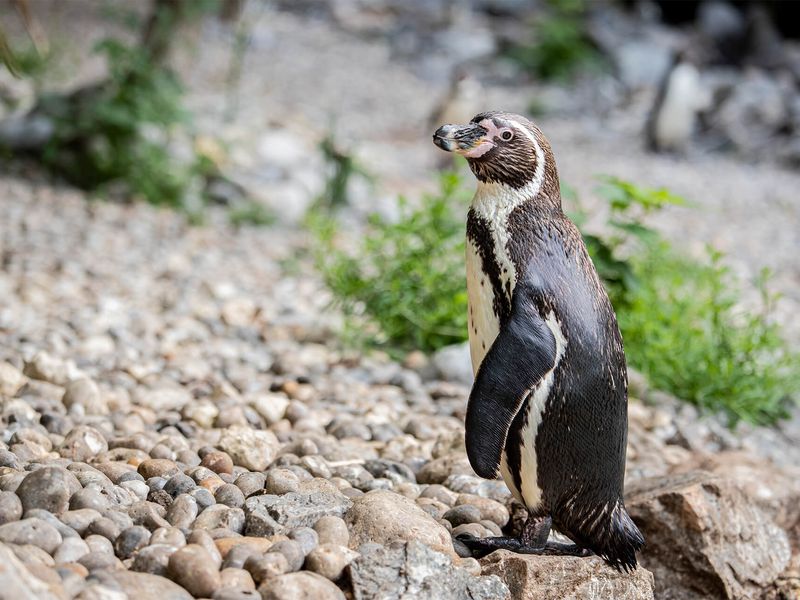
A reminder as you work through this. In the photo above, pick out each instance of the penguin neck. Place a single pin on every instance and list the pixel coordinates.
(494, 202)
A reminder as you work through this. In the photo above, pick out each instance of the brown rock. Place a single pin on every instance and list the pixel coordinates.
(706, 538)
(385, 517)
(157, 467)
(439, 469)
(300, 586)
(219, 462)
(258, 544)
(566, 578)
(193, 568)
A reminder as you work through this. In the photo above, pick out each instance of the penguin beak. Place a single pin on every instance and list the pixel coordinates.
(466, 140)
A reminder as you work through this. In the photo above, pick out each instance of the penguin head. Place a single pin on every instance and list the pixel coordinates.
(500, 148)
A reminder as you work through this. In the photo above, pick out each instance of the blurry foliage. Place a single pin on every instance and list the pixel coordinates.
(342, 167)
(680, 318)
(117, 131)
(407, 277)
(561, 46)
(251, 213)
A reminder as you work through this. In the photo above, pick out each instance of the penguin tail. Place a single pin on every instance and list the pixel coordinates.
(620, 541)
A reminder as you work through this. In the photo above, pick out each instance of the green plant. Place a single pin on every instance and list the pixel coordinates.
(251, 213)
(629, 204)
(406, 277)
(680, 318)
(117, 131)
(342, 167)
(560, 47)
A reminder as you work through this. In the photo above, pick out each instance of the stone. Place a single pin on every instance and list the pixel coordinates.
(271, 407)
(179, 484)
(306, 537)
(157, 467)
(35, 531)
(16, 581)
(89, 498)
(250, 483)
(385, 517)
(439, 469)
(332, 530)
(45, 367)
(300, 586)
(249, 448)
(142, 586)
(271, 514)
(193, 568)
(183, 511)
(490, 510)
(266, 566)
(11, 380)
(566, 578)
(223, 516)
(329, 560)
(153, 559)
(10, 507)
(281, 481)
(292, 551)
(237, 579)
(70, 550)
(130, 540)
(49, 488)
(229, 495)
(453, 363)
(219, 462)
(464, 513)
(706, 537)
(414, 570)
(85, 393)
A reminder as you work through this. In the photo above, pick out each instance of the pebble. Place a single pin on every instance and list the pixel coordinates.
(130, 540)
(329, 560)
(219, 462)
(193, 568)
(281, 481)
(332, 530)
(153, 559)
(33, 531)
(249, 448)
(229, 495)
(10, 507)
(83, 443)
(89, 497)
(157, 467)
(300, 585)
(292, 551)
(85, 393)
(266, 566)
(70, 550)
(49, 488)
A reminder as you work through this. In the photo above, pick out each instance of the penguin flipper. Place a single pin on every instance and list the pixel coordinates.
(522, 354)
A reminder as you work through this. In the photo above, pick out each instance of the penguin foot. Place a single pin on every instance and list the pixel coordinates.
(480, 547)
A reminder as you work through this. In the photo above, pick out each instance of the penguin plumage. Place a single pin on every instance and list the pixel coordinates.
(548, 408)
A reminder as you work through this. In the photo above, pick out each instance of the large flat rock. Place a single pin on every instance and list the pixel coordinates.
(566, 578)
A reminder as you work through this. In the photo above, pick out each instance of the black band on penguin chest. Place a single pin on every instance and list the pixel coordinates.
(480, 234)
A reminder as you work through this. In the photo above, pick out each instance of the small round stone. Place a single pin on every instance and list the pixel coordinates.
(89, 497)
(153, 559)
(219, 462)
(292, 551)
(157, 467)
(300, 585)
(266, 566)
(250, 483)
(104, 527)
(332, 530)
(229, 495)
(465, 513)
(281, 481)
(179, 484)
(10, 507)
(130, 540)
(329, 560)
(49, 488)
(306, 537)
(193, 568)
(203, 497)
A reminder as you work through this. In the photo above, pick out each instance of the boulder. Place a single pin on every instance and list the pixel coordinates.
(413, 570)
(566, 578)
(706, 538)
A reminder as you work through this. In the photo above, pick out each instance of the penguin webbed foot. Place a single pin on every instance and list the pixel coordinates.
(480, 547)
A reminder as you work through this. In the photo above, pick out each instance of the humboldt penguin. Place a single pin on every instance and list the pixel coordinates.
(548, 408)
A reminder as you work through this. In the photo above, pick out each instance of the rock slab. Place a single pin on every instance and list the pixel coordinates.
(413, 570)
(706, 538)
(566, 578)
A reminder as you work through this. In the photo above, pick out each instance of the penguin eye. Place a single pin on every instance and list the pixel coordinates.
(506, 135)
